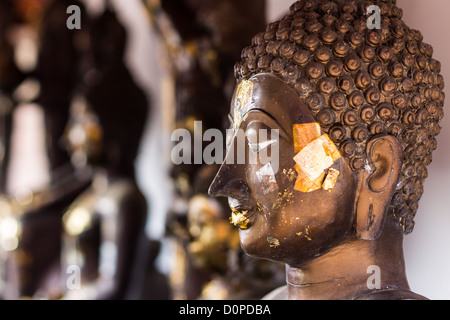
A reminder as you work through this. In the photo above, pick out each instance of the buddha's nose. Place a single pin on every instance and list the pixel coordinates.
(230, 182)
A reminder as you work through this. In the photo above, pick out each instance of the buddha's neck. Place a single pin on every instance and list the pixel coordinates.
(349, 271)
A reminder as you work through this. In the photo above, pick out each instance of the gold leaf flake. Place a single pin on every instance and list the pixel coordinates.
(274, 243)
(239, 219)
(312, 161)
(242, 101)
(330, 148)
(304, 184)
(267, 180)
(304, 134)
(331, 179)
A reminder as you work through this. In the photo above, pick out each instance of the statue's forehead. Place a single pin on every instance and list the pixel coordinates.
(272, 95)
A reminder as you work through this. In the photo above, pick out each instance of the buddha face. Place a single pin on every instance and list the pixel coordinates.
(304, 206)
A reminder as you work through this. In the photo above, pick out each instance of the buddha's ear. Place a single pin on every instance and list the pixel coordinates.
(377, 185)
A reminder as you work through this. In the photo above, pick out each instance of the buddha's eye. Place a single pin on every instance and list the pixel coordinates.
(258, 139)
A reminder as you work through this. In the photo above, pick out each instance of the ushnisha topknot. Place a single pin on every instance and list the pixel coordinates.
(359, 83)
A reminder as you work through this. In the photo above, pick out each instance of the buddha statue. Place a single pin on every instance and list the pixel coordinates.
(357, 111)
(103, 226)
(104, 240)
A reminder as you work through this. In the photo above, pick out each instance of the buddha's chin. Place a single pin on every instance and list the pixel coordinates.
(255, 243)
(257, 246)
(248, 243)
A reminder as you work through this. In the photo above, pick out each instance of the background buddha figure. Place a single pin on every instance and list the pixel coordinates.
(357, 112)
(104, 227)
(39, 69)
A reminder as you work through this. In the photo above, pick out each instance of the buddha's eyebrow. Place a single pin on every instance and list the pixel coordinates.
(230, 118)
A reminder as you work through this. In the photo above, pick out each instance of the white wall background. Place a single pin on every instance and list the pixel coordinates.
(426, 249)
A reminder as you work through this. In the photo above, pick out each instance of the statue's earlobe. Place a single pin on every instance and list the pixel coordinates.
(377, 185)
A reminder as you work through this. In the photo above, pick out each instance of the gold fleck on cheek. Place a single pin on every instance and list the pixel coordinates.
(273, 242)
(331, 180)
(305, 234)
(290, 174)
(282, 199)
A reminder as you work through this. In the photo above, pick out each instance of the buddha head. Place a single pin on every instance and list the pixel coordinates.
(357, 111)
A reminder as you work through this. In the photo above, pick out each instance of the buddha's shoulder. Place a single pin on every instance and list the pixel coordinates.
(281, 293)
(391, 295)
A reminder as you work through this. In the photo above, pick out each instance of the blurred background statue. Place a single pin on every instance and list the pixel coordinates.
(104, 227)
(48, 57)
(94, 109)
